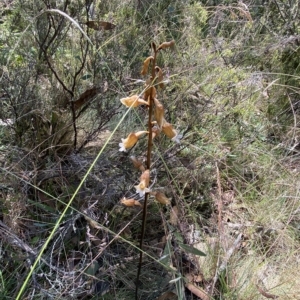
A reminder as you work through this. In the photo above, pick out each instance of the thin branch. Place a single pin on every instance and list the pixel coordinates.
(56, 75)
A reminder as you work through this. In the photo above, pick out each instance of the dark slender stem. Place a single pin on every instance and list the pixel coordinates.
(149, 150)
(141, 246)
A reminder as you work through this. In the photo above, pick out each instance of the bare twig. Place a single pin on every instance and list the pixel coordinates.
(265, 294)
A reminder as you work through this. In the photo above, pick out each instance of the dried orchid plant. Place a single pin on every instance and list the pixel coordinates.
(157, 124)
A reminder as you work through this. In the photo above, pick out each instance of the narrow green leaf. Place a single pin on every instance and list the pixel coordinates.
(166, 256)
(178, 237)
(191, 249)
(92, 269)
(44, 207)
(86, 76)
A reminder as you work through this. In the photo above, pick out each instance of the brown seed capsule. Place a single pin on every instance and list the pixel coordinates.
(161, 198)
(130, 202)
(100, 25)
(149, 89)
(145, 177)
(133, 101)
(159, 113)
(168, 130)
(171, 133)
(142, 187)
(160, 77)
(137, 163)
(146, 65)
(166, 45)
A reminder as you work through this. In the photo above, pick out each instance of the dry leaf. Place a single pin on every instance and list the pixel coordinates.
(197, 291)
(146, 65)
(174, 213)
(85, 97)
(100, 25)
(166, 45)
(168, 296)
(130, 202)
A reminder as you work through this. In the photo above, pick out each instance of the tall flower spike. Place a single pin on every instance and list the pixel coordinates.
(133, 101)
(171, 133)
(159, 113)
(131, 140)
(142, 187)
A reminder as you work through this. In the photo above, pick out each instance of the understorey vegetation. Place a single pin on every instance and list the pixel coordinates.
(149, 149)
